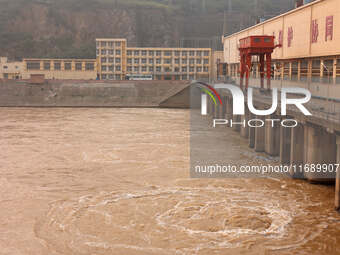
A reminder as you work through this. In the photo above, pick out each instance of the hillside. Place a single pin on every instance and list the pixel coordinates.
(68, 28)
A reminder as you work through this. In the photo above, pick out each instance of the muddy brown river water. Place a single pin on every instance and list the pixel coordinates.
(116, 181)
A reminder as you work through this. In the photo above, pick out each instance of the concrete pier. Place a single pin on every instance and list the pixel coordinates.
(272, 146)
(245, 129)
(260, 136)
(321, 148)
(285, 140)
(229, 109)
(236, 123)
(251, 133)
(337, 184)
(297, 150)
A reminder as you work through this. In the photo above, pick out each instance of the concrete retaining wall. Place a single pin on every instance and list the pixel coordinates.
(90, 93)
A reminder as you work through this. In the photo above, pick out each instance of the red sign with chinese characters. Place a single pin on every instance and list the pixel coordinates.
(281, 37)
(315, 31)
(290, 36)
(329, 28)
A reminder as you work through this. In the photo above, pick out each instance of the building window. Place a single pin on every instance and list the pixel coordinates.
(118, 60)
(184, 53)
(158, 61)
(57, 66)
(177, 53)
(176, 69)
(143, 60)
(158, 69)
(136, 53)
(103, 52)
(206, 61)
(111, 68)
(191, 69)
(151, 53)
(118, 52)
(206, 69)
(97, 44)
(168, 53)
(68, 66)
(103, 60)
(33, 65)
(110, 52)
(78, 66)
(184, 77)
(129, 68)
(184, 61)
(191, 77)
(97, 52)
(176, 61)
(184, 69)
(151, 69)
(206, 53)
(136, 61)
(104, 68)
(167, 61)
(89, 66)
(118, 68)
(192, 61)
(158, 53)
(144, 69)
(150, 61)
(199, 69)
(118, 44)
(129, 52)
(198, 61)
(144, 52)
(111, 76)
(103, 76)
(129, 60)
(118, 77)
(111, 44)
(110, 60)
(167, 69)
(199, 53)
(47, 66)
(103, 44)
(192, 53)
(136, 68)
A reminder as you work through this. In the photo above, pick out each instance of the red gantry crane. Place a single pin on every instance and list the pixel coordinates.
(262, 46)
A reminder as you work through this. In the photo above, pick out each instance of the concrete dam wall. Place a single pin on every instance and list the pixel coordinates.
(94, 94)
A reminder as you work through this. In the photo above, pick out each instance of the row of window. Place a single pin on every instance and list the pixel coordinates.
(176, 53)
(111, 60)
(167, 69)
(169, 61)
(109, 44)
(89, 66)
(109, 52)
(111, 77)
(111, 68)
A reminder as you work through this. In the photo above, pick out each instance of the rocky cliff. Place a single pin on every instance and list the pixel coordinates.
(68, 28)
